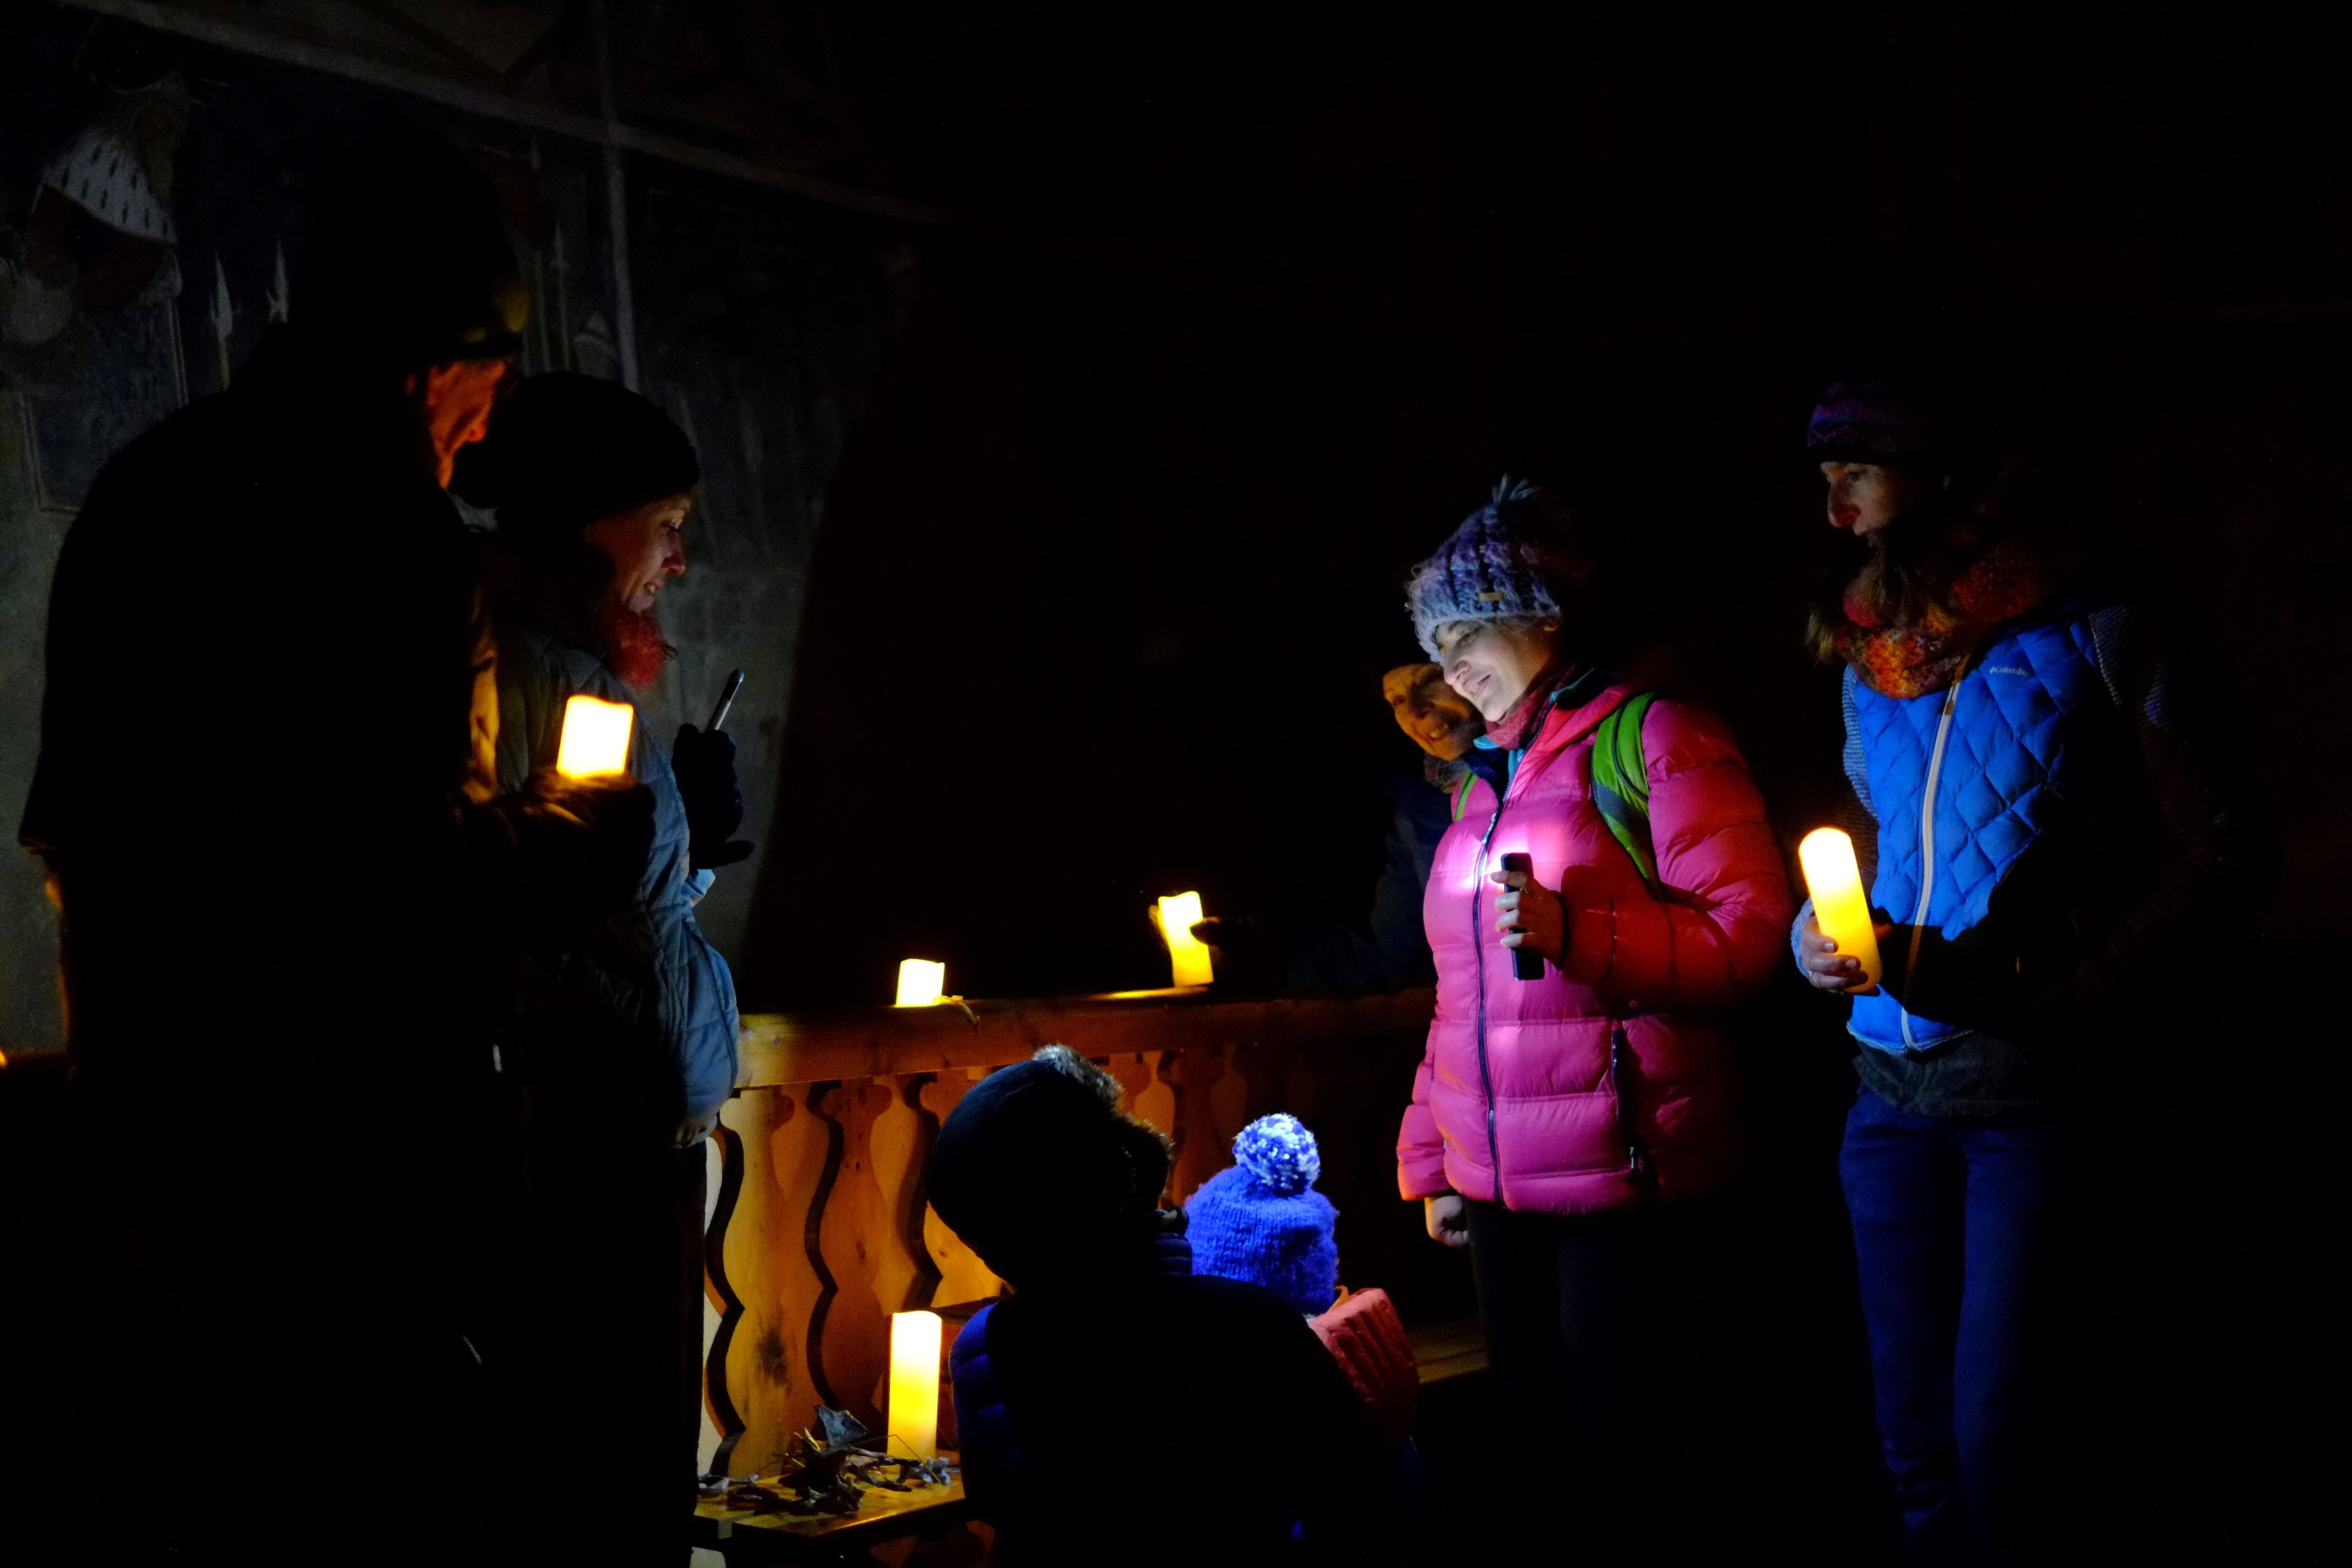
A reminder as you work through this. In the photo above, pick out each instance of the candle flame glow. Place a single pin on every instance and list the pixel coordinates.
(920, 981)
(1188, 954)
(596, 738)
(913, 1418)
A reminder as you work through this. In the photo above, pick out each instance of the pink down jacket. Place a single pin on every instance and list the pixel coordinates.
(1516, 1100)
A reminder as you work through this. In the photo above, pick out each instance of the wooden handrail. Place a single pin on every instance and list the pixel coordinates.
(819, 1227)
(883, 1042)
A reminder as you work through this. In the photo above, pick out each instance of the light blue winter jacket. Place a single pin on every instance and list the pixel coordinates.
(646, 979)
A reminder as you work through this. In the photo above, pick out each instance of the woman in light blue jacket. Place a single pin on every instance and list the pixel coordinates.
(625, 1041)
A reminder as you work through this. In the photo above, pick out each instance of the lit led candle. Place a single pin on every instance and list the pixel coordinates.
(914, 1385)
(920, 981)
(1188, 954)
(596, 738)
(1839, 908)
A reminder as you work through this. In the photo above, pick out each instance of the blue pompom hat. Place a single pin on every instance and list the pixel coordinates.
(1262, 1222)
(1488, 570)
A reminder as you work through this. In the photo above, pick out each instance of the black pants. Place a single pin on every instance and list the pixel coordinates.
(1609, 1345)
(608, 1339)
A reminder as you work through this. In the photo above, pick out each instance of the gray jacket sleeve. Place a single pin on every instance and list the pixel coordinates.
(648, 969)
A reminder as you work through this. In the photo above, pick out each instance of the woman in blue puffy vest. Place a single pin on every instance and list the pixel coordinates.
(2036, 807)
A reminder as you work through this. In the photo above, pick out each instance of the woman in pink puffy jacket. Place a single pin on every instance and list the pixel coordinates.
(1559, 1121)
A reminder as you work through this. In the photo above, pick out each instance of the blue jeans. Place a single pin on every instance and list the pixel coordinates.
(1950, 1223)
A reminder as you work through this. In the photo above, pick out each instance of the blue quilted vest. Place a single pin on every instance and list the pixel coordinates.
(1998, 751)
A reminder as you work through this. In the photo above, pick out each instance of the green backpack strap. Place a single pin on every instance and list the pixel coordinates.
(1620, 781)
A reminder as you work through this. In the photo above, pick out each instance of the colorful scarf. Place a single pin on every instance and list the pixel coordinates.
(2007, 578)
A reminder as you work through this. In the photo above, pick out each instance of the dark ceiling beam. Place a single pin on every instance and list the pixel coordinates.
(1124, 259)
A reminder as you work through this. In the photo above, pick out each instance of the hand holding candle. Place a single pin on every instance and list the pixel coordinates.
(1841, 909)
(1188, 956)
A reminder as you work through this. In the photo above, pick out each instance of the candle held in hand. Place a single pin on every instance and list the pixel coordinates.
(596, 738)
(914, 1385)
(1840, 907)
(1188, 954)
(920, 981)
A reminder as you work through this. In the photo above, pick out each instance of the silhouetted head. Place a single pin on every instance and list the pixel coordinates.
(1040, 1175)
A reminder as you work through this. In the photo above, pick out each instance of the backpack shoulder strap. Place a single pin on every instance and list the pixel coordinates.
(1620, 781)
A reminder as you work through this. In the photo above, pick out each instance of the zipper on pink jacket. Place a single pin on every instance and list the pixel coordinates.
(1478, 951)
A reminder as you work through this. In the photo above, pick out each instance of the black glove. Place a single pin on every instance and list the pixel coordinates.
(704, 762)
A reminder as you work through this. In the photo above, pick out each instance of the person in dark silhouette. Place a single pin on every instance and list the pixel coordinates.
(290, 897)
(1241, 1442)
(1385, 948)
(626, 1040)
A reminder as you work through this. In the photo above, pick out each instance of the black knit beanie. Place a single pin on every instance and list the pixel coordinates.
(1032, 1170)
(567, 450)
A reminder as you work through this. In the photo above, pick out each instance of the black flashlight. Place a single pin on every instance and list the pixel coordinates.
(1527, 963)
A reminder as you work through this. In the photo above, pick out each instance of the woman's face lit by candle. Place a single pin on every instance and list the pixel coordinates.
(1493, 663)
(644, 547)
(1865, 496)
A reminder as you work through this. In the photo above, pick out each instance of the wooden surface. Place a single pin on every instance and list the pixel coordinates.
(1443, 1351)
(881, 1514)
(877, 1042)
(819, 1229)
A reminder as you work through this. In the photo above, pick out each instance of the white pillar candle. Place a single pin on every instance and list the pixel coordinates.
(1840, 907)
(1188, 954)
(596, 738)
(913, 1418)
(920, 981)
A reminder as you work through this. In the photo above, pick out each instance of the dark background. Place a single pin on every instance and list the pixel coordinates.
(1110, 569)
(1062, 494)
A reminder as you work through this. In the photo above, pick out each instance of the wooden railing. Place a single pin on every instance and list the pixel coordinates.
(818, 1227)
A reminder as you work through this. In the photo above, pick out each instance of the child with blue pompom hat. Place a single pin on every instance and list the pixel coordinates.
(1261, 1221)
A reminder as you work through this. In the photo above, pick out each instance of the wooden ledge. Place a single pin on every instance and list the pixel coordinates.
(882, 1042)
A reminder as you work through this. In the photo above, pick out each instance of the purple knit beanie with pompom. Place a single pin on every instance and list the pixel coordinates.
(1488, 570)
(1262, 1222)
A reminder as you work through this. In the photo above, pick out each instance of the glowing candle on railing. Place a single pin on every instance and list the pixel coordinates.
(920, 981)
(1188, 954)
(1839, 908)
(914, 1385)
(596, 738)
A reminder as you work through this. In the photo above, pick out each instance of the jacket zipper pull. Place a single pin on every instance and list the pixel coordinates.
(1637, 1159)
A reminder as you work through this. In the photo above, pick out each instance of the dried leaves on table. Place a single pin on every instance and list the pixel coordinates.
(828, 1475)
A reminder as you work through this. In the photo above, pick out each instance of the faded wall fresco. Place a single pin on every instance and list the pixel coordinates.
(153, 196)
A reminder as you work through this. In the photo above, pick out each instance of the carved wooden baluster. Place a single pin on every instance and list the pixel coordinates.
(962, 1276)
(758, 1381)
(1153, 1098)
(904, 1275)
(849, 1332)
